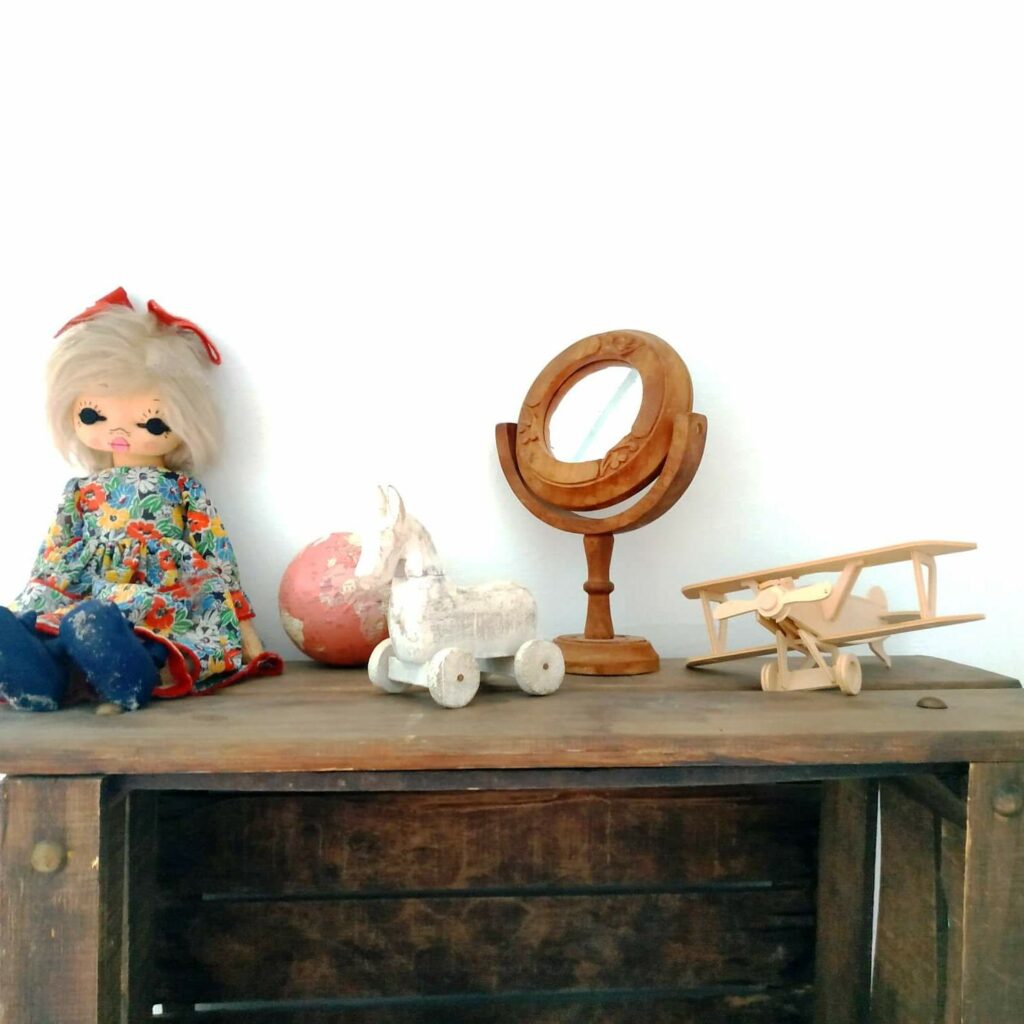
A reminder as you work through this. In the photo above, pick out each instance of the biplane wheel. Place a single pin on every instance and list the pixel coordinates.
(539, 667)
(848, 674)
(377, 668)
(453, 677)
(770, 677)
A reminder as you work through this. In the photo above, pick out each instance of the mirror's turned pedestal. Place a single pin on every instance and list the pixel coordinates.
(597, 651)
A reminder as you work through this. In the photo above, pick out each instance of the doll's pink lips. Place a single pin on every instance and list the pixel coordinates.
(119, 444)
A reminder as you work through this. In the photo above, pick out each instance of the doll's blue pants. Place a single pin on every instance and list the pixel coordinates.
(94, 638)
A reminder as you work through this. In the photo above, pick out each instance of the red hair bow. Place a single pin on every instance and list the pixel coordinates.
(119, 297)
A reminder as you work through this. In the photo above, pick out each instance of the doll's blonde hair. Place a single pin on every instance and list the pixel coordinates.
(129, 351)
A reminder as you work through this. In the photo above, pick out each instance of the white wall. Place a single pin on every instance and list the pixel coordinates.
(391, 215)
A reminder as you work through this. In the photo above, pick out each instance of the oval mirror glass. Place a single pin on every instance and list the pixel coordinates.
(595, 414)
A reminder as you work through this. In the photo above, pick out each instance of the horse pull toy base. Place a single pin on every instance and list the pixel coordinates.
(452, 676)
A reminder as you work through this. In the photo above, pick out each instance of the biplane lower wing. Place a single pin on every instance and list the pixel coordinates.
(839, 640)
(863, 636)
(744, 652)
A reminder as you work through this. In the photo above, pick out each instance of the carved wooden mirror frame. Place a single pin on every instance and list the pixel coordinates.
(663, 449)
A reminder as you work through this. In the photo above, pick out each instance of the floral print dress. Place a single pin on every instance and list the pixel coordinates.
(150, 541)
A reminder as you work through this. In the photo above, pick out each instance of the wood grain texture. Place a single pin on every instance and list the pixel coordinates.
(689, 435)
(636, 459)
(141, 899)
(598, 549)
(50, 922)
(512, 780)
(846, 891)
(294, 845)
(317, 719)
(953, 844)
(908, 979)
(114, 941)
(993, 932)
(128, 843)
(919, 945)
(128, 847)
(937, 796)
(439, 946)
(621, 655)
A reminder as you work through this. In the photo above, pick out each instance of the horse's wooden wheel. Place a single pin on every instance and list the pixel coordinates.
(539, 667)
(453, 677)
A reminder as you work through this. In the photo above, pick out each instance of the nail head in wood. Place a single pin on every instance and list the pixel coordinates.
(47, 857)
(932, 702)
(1008, 800)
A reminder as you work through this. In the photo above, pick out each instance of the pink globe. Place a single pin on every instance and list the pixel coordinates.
(323, 612)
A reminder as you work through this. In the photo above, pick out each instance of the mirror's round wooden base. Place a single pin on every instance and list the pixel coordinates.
(620, 656)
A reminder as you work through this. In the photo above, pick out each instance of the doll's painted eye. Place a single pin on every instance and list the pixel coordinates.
(155, 426)
(90, 416)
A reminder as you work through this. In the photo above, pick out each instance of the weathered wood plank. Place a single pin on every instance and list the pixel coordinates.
(918, 958)
(907, 981)
(114, 942)
(52, 882)
(327, 844)
(954, 838)
(318, 720)
(936, 796)
(775, 1006)
(846, 890)
(757, 843)
(310, 949)
(510, 779)
(128, 847)
(993, 929)
(137, 979)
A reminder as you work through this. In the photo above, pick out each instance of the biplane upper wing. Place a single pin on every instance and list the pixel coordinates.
(838, 639)
(865, 559)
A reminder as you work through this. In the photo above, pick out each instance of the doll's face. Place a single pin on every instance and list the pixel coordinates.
(130, 427)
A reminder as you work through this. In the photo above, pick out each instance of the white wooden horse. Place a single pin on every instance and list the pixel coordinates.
(444, 636)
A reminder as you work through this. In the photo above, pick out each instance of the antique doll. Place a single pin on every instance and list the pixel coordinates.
(135, 590)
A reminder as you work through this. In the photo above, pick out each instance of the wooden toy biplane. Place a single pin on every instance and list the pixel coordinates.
(818, 619)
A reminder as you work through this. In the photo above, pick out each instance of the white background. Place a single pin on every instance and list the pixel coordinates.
(390, 216)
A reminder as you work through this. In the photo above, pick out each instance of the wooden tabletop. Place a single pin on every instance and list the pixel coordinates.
(316, 719)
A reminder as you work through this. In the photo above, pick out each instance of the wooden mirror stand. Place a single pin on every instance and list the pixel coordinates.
(661, 453)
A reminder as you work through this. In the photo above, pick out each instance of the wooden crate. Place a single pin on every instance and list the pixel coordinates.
(662, 905)
(684, 848)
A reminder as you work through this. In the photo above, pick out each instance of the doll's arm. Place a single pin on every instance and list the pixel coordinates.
(206, 533)
(66, 528)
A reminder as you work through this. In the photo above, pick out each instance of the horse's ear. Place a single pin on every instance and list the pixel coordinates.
(382, 503)
(396, 507)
